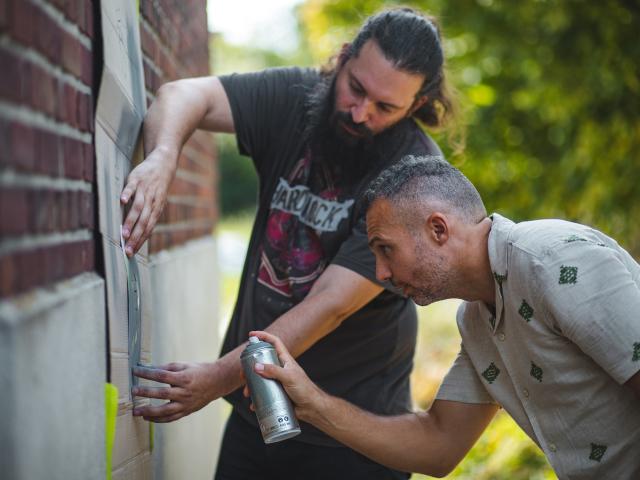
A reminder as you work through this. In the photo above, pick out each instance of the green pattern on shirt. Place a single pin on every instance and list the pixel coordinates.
(574, 238)
(568, 275)
(636, 352)
(491, 373)
(526, 311)
(536, 372)
(597, 452)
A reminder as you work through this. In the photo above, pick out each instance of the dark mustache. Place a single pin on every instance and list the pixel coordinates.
(359, 128)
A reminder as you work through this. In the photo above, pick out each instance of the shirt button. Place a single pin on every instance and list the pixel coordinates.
(552, 447)
(525, 392)
(501, 337)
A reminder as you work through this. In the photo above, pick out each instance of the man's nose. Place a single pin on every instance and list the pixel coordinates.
(360, 111)
(382, 271)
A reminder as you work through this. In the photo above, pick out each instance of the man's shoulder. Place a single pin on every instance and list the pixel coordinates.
(420, 142)
(541, 237)
(407, 138)
(538, 249)
(284, 77)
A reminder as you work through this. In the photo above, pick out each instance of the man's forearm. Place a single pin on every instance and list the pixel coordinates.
(173, 116)
(409, 442)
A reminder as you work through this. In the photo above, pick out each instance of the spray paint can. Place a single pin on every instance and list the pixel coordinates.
(272, 405)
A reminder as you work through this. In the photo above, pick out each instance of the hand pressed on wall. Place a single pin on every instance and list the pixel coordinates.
(191, 387)
(147, 186)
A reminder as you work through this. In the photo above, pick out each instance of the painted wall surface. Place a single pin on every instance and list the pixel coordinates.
(185, 285)
(52, 352)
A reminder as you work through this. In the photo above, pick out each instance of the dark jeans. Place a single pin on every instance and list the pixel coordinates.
(244, 456)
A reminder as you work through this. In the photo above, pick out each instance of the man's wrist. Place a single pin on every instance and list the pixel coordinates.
(318, 411)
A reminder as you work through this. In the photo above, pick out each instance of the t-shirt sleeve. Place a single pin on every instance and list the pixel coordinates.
(262, 105)
(594, 300)
(462, 383)
(355, 254)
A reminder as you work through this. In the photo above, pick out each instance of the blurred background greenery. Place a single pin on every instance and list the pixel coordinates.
(550, 90)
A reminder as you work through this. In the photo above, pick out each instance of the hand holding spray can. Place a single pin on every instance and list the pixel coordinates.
(272, 405)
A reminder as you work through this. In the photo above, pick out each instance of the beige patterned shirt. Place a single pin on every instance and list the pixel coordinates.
(565, 337)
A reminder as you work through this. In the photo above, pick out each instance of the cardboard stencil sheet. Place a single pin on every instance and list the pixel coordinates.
(119, 114)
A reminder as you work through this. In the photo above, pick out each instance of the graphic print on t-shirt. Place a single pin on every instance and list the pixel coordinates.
(292, 256)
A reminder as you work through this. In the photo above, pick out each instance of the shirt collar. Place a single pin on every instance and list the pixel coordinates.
(498, 243)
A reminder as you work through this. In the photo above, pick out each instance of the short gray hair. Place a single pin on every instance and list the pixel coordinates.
(414, 180)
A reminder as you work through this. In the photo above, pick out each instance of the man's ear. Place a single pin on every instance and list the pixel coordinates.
(438, 228)
(417, 103)
(343, 56)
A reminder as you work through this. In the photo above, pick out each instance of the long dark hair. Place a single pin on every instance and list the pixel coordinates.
(413, 43)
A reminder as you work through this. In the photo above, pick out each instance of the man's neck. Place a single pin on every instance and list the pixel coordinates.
(478, 279)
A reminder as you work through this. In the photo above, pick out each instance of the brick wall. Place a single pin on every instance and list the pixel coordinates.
(46, 148)
(174, 40)
(47, 156)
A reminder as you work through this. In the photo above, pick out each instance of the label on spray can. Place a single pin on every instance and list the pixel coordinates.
(272, 405)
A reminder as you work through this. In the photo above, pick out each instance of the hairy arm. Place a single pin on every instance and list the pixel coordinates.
(338, 293)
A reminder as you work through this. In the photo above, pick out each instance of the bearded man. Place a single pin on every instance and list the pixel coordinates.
(316, 138)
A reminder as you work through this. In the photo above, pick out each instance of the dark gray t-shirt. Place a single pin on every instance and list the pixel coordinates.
(308, 218)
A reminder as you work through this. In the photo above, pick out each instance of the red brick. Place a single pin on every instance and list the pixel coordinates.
(60, 4)
(22, 25)
(149, 45)
(23, 147)
(88, 21)
(13, 212)
(4, 15)
(56, 264)
(70, 220)
(86, 67)
(48, 162)
(83, 103)
(89, 260)
(72, 51)
(70, 107)
(26, 79)
(73, 165)
(10, 78)
(86, 211)
(88, 163)
(57, 211)
(5, 142)
(74, 10)
(7, 276)
(30, 268)
(38, 211)
(48, 37)
(44, 91)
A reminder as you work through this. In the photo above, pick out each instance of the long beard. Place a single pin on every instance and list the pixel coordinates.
(331, 145)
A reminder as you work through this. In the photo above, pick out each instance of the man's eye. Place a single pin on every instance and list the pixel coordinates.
(384, 108)
(356, 89)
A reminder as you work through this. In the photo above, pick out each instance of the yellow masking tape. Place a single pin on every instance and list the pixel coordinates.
(111, 412)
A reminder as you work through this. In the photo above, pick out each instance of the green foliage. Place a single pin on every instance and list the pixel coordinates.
(551, 93)
(503, 452)
(238, 179)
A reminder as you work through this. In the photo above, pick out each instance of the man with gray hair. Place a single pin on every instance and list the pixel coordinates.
(550, 332)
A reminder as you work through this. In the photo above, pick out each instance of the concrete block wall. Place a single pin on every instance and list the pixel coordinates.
(53, 336)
